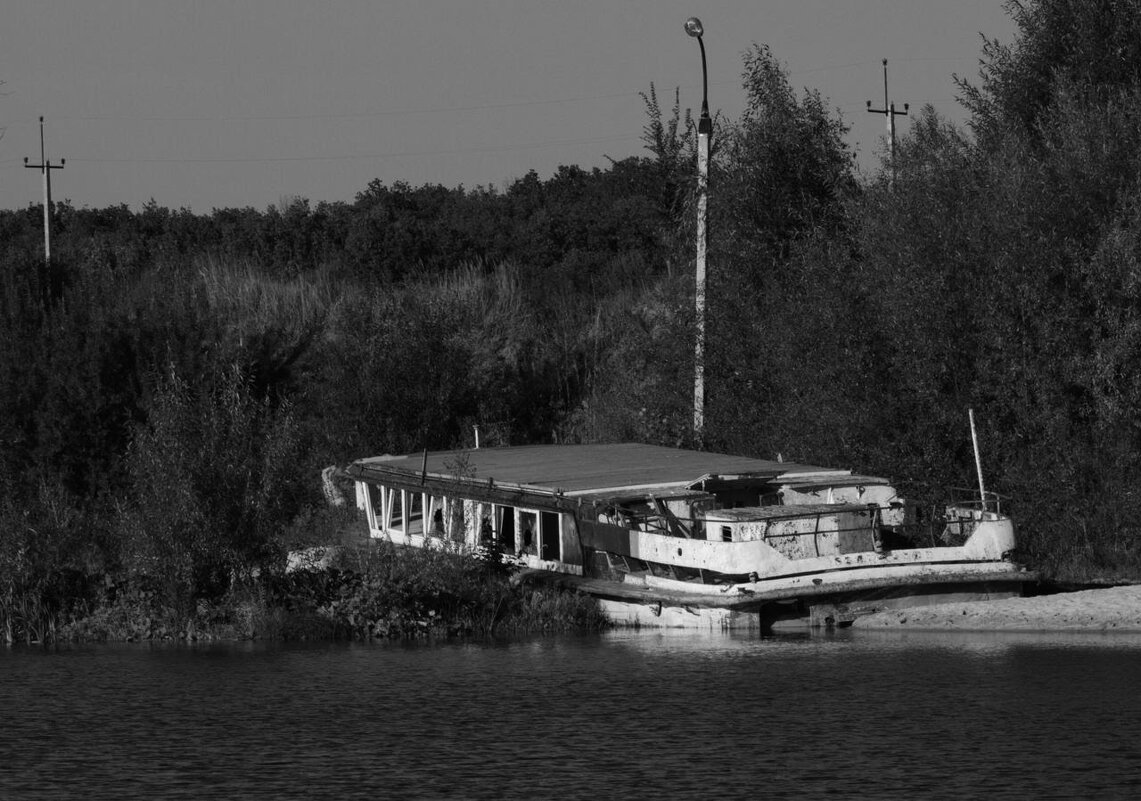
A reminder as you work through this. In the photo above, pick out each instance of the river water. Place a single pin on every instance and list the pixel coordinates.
(852, 714)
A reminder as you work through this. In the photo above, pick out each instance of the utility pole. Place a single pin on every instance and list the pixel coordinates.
(704, 130)
(889, 111)
(46, 168)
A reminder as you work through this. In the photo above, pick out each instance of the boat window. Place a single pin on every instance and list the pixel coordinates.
(549, 536)
(628, 517)
(375, 505)
(726, 534)
(436, 517)
(505, 528)
(485, 531)
(396, 509)
(698, 510)
(415, 513)
(528, 523)
(457, 523)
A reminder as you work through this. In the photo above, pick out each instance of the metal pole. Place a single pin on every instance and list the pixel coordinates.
(47, 211)
(46, 167)
(47, 172)
(978, 459)
(704, 129)
(889, 111)
(699, 290)
(891, 139)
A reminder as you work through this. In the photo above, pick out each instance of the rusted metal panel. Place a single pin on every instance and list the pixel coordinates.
(605, 537)
(856, 534)
(571, 544)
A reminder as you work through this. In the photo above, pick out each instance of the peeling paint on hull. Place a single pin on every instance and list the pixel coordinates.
(755, 607)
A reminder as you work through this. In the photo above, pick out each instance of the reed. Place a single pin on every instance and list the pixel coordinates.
(245, 293)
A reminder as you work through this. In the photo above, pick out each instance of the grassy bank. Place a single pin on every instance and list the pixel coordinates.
(366, 592)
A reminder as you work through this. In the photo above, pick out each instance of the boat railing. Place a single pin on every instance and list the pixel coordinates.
(963, 498)
(895, 525)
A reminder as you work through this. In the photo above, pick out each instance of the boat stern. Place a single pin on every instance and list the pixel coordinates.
(988, 535)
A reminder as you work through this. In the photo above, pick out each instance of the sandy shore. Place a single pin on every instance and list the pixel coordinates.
(1110, 609)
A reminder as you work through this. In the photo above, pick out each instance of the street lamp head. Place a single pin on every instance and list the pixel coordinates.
(694, 28)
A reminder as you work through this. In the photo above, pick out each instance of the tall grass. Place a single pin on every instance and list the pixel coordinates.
(242, 292)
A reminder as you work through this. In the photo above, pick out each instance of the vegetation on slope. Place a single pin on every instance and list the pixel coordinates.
(171, 386)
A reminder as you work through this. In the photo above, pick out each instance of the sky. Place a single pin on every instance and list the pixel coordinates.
(209, 104)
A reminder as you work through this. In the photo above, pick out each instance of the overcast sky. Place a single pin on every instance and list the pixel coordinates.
(213, 103)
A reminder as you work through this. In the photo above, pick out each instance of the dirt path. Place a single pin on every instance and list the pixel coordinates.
(1110, 609)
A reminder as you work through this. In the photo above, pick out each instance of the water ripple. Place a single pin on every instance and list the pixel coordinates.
(630, 714)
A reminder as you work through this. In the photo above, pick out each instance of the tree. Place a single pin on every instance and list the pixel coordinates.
(1061, 45)
(781, 178)
(1000, 274)
(213, 486)
(784, 169)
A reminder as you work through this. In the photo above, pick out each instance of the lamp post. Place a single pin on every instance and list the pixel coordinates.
(704, 128)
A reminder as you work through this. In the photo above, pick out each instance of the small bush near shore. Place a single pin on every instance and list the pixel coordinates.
(383, 591)
(366, 593)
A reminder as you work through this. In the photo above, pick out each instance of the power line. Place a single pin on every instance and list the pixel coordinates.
(361, 156)
(349, 115)
(444, 109)
(408, 111)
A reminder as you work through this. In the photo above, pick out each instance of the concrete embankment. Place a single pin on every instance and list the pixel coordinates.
(1109, 609)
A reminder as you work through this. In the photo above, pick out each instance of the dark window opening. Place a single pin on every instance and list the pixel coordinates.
(549, 535)
(506, 528)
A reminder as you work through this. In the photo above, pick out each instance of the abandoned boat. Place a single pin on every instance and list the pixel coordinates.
(669, 537)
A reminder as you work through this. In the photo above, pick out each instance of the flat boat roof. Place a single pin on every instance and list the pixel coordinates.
(586, 469)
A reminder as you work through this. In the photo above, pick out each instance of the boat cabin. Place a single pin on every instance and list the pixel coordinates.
(662, 533)
(545, 504)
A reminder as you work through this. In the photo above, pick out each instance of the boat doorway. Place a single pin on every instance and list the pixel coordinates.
(549, 536)
(505, 528)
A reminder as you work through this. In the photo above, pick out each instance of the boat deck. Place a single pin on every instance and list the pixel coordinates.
(584, 469)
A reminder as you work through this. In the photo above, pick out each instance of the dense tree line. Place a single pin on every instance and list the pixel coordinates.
(172, 384)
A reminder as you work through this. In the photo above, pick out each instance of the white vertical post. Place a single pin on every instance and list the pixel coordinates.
(405, 497)
(978, 458)
(46, 167)
(385, 508)
(694, 28)
(47, 211)
(699, 290)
